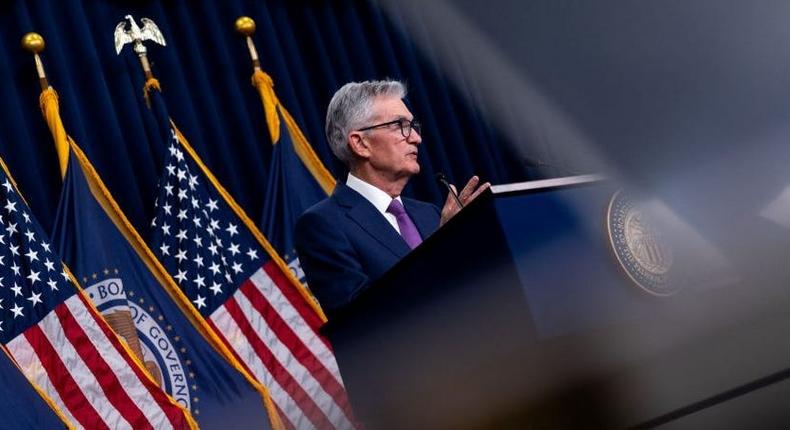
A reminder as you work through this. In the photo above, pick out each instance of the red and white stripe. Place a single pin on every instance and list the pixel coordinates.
(272, 330)
(72, 356)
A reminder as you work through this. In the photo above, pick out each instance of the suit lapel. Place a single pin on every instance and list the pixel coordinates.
(370, 219)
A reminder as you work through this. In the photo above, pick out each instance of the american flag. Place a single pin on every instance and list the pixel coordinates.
(244, 294)
(60, 342)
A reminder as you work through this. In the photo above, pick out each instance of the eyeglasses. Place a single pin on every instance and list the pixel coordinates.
(406, 126)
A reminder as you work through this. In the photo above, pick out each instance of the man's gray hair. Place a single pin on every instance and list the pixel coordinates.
(351, 108)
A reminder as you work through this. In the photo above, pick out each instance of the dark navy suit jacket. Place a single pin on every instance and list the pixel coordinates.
(344, 243)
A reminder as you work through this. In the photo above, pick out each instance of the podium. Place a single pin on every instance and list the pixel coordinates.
(517, 314)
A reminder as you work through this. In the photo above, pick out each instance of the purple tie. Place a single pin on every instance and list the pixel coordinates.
(406, 226)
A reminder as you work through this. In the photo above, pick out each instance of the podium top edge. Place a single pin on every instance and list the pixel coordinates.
(546, 183)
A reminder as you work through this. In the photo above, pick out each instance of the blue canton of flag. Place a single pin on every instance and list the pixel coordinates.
(207, 243)
(59, 341)
(198, 242)
(130, 289)
(25, 258)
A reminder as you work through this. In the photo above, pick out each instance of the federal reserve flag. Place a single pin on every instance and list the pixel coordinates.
(61, 343)
(297, 177)
(140, 302)
(236, 281)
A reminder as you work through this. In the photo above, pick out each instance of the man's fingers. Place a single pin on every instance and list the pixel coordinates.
(469, 193)
(479, 190)
(450, 202)
(471, 190)
(470, 186)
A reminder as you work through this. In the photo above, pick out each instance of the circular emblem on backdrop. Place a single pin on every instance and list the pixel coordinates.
(153, 343)
(640, 248)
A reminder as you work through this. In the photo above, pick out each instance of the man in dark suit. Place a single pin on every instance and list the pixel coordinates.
(351, 238)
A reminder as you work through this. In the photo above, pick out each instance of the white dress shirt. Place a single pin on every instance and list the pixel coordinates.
(375, 196)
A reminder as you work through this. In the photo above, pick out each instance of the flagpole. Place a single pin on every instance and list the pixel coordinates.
(34, 43)
(246, 27)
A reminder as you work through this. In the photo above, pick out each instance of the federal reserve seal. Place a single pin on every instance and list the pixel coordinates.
(151, 341)
(640, 248)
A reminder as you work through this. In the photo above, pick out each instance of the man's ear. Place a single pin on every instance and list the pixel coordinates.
(358, 146)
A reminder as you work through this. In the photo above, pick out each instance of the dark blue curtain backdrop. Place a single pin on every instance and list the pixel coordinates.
(310, 48)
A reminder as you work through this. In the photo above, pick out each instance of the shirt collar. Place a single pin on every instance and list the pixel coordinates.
(375, 196)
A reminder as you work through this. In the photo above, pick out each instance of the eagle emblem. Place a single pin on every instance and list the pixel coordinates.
(136, 35)
(640, 247)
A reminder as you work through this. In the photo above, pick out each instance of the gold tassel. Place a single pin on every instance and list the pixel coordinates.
(51, 110)
(150, 83)
(265, 86)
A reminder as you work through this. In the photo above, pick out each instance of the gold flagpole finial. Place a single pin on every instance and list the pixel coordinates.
(34, 43)
(136, 35)
(246, 27)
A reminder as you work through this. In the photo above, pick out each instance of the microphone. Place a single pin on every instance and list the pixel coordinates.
(443, 180)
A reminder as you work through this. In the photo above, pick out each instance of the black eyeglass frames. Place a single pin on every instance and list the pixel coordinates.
(406, 126)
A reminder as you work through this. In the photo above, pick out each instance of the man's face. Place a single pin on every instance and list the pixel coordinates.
(388, 152)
